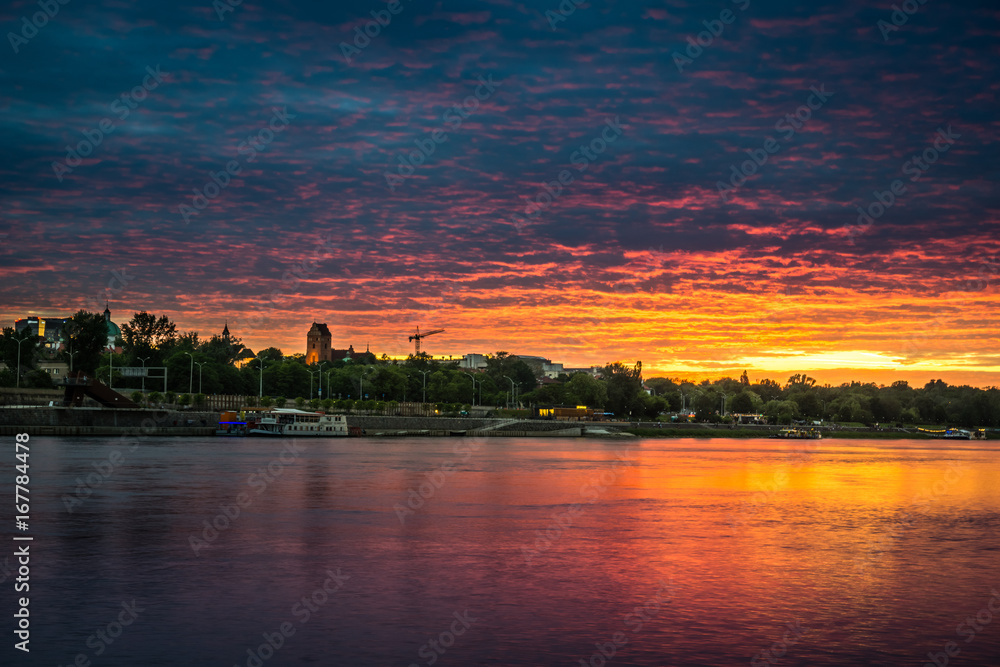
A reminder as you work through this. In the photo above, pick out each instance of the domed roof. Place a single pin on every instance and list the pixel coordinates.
(113, 329)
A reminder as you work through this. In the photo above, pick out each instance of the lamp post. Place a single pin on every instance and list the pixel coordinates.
(191, 375)
(261, 395)
(19, 361)
(143, 360)
(70, 354)
(424, 373)
(363, 374)
(311, 374)
(472, 377)
(513, 391)
(200, 364)
(320, 381)
(111, 372)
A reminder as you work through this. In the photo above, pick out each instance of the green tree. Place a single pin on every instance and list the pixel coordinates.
(9, 349)
(588, 390)
(86, 336)
(624, 384)
(145, 333)
(743, 403)
(781, 412)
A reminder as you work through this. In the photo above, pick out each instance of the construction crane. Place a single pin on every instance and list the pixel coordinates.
(417, 336)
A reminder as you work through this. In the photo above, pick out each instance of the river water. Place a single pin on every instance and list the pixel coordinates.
(465, 551)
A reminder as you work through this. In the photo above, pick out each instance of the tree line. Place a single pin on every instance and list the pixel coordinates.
(223, 365)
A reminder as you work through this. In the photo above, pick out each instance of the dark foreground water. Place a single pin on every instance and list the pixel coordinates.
(507, 552)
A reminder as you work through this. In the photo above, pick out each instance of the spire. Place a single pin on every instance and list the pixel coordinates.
(225, 330)
(107, 312)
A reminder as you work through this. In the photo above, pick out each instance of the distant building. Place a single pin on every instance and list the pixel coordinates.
(47, 328)
(114, 333)
(56, 369)
(595, 371)
(473, 361)
(319, 348)
(552, 370)
(318, 342)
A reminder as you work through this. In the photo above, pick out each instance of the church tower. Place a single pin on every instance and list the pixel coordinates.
(318, 342)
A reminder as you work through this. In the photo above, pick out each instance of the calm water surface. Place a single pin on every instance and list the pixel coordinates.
(510, 552)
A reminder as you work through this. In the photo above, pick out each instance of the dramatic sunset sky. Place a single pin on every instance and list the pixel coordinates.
(638, 257)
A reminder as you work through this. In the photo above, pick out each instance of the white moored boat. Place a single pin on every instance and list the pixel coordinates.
(289, 422)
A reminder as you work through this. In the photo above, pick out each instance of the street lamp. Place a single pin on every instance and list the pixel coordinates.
(363, 374)
(425, 383)
(513, 391)
(19, 361)
(111, 372)
(311, 374)
(320, 381)
(473, 386)
(200, 364)
(71, 360)
(143, 360)
(191, 375)
(261, 395)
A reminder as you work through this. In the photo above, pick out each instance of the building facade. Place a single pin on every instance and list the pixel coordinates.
(318, 342)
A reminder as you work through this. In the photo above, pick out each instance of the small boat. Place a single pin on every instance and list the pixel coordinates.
(294, 423)
(798, 434)
(230, 424)
(956, 434)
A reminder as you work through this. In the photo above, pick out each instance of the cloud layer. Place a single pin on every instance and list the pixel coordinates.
(458, 167)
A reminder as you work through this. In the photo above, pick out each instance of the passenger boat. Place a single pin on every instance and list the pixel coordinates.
(956, 434)
(798, 434)
(289, 422)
